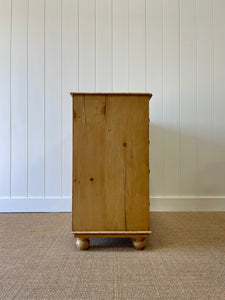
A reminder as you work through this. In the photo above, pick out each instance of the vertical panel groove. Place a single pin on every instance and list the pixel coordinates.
(120, 45)
(163, 133)
(112, 44)
(19, 98)
(213, 53)
(187, 96)
(196, 104)
(207, 168)
(61, 193)
(35, 93)
(10, 98)
(197, 144)
(179, 24)
(87, 44)
(53, 98)
(78, 48)
(28, 98)
(145, 46)
(128, 48)
(45, 98)
(69, 51)
(95, 48)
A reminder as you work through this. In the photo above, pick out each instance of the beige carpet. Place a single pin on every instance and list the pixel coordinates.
(184, 259)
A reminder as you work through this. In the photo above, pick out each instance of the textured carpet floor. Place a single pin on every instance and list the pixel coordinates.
(184, 259)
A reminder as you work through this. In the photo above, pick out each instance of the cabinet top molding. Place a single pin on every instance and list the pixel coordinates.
(114, 94)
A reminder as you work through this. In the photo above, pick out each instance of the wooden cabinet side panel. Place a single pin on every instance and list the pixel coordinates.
(137, 165)
(128, 160)
(116, 121)
(110, 163)
(79, 170)
(89, 194)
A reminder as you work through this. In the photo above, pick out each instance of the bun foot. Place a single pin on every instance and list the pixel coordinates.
(139, 243)
(82, 244)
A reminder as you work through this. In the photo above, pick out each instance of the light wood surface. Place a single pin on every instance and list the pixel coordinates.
(110, 164)
(89, 140)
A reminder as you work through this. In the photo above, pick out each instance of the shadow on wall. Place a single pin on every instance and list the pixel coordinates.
(186, 164)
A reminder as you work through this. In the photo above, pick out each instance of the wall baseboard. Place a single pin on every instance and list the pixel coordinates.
(159, 203)
(188, 203)
(35, 204)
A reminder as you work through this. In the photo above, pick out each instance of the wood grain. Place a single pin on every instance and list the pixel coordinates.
(89, 163)
(116, 162)
(110, 163)
(137, 164)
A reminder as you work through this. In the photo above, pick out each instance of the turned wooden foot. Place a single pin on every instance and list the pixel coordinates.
(82, 244)
(139, 243)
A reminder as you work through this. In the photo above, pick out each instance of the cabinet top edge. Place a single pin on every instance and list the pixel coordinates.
(112, 94)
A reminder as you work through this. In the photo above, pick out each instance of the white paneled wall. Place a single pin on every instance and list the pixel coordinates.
(5, 98)
(172, 48)
(36, 99)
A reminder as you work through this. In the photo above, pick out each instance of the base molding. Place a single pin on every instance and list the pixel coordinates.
(187, 203)
(35, 204)
(157, 203)
(128, 234)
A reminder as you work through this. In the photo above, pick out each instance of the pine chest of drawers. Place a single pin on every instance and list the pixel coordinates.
(110, 195)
